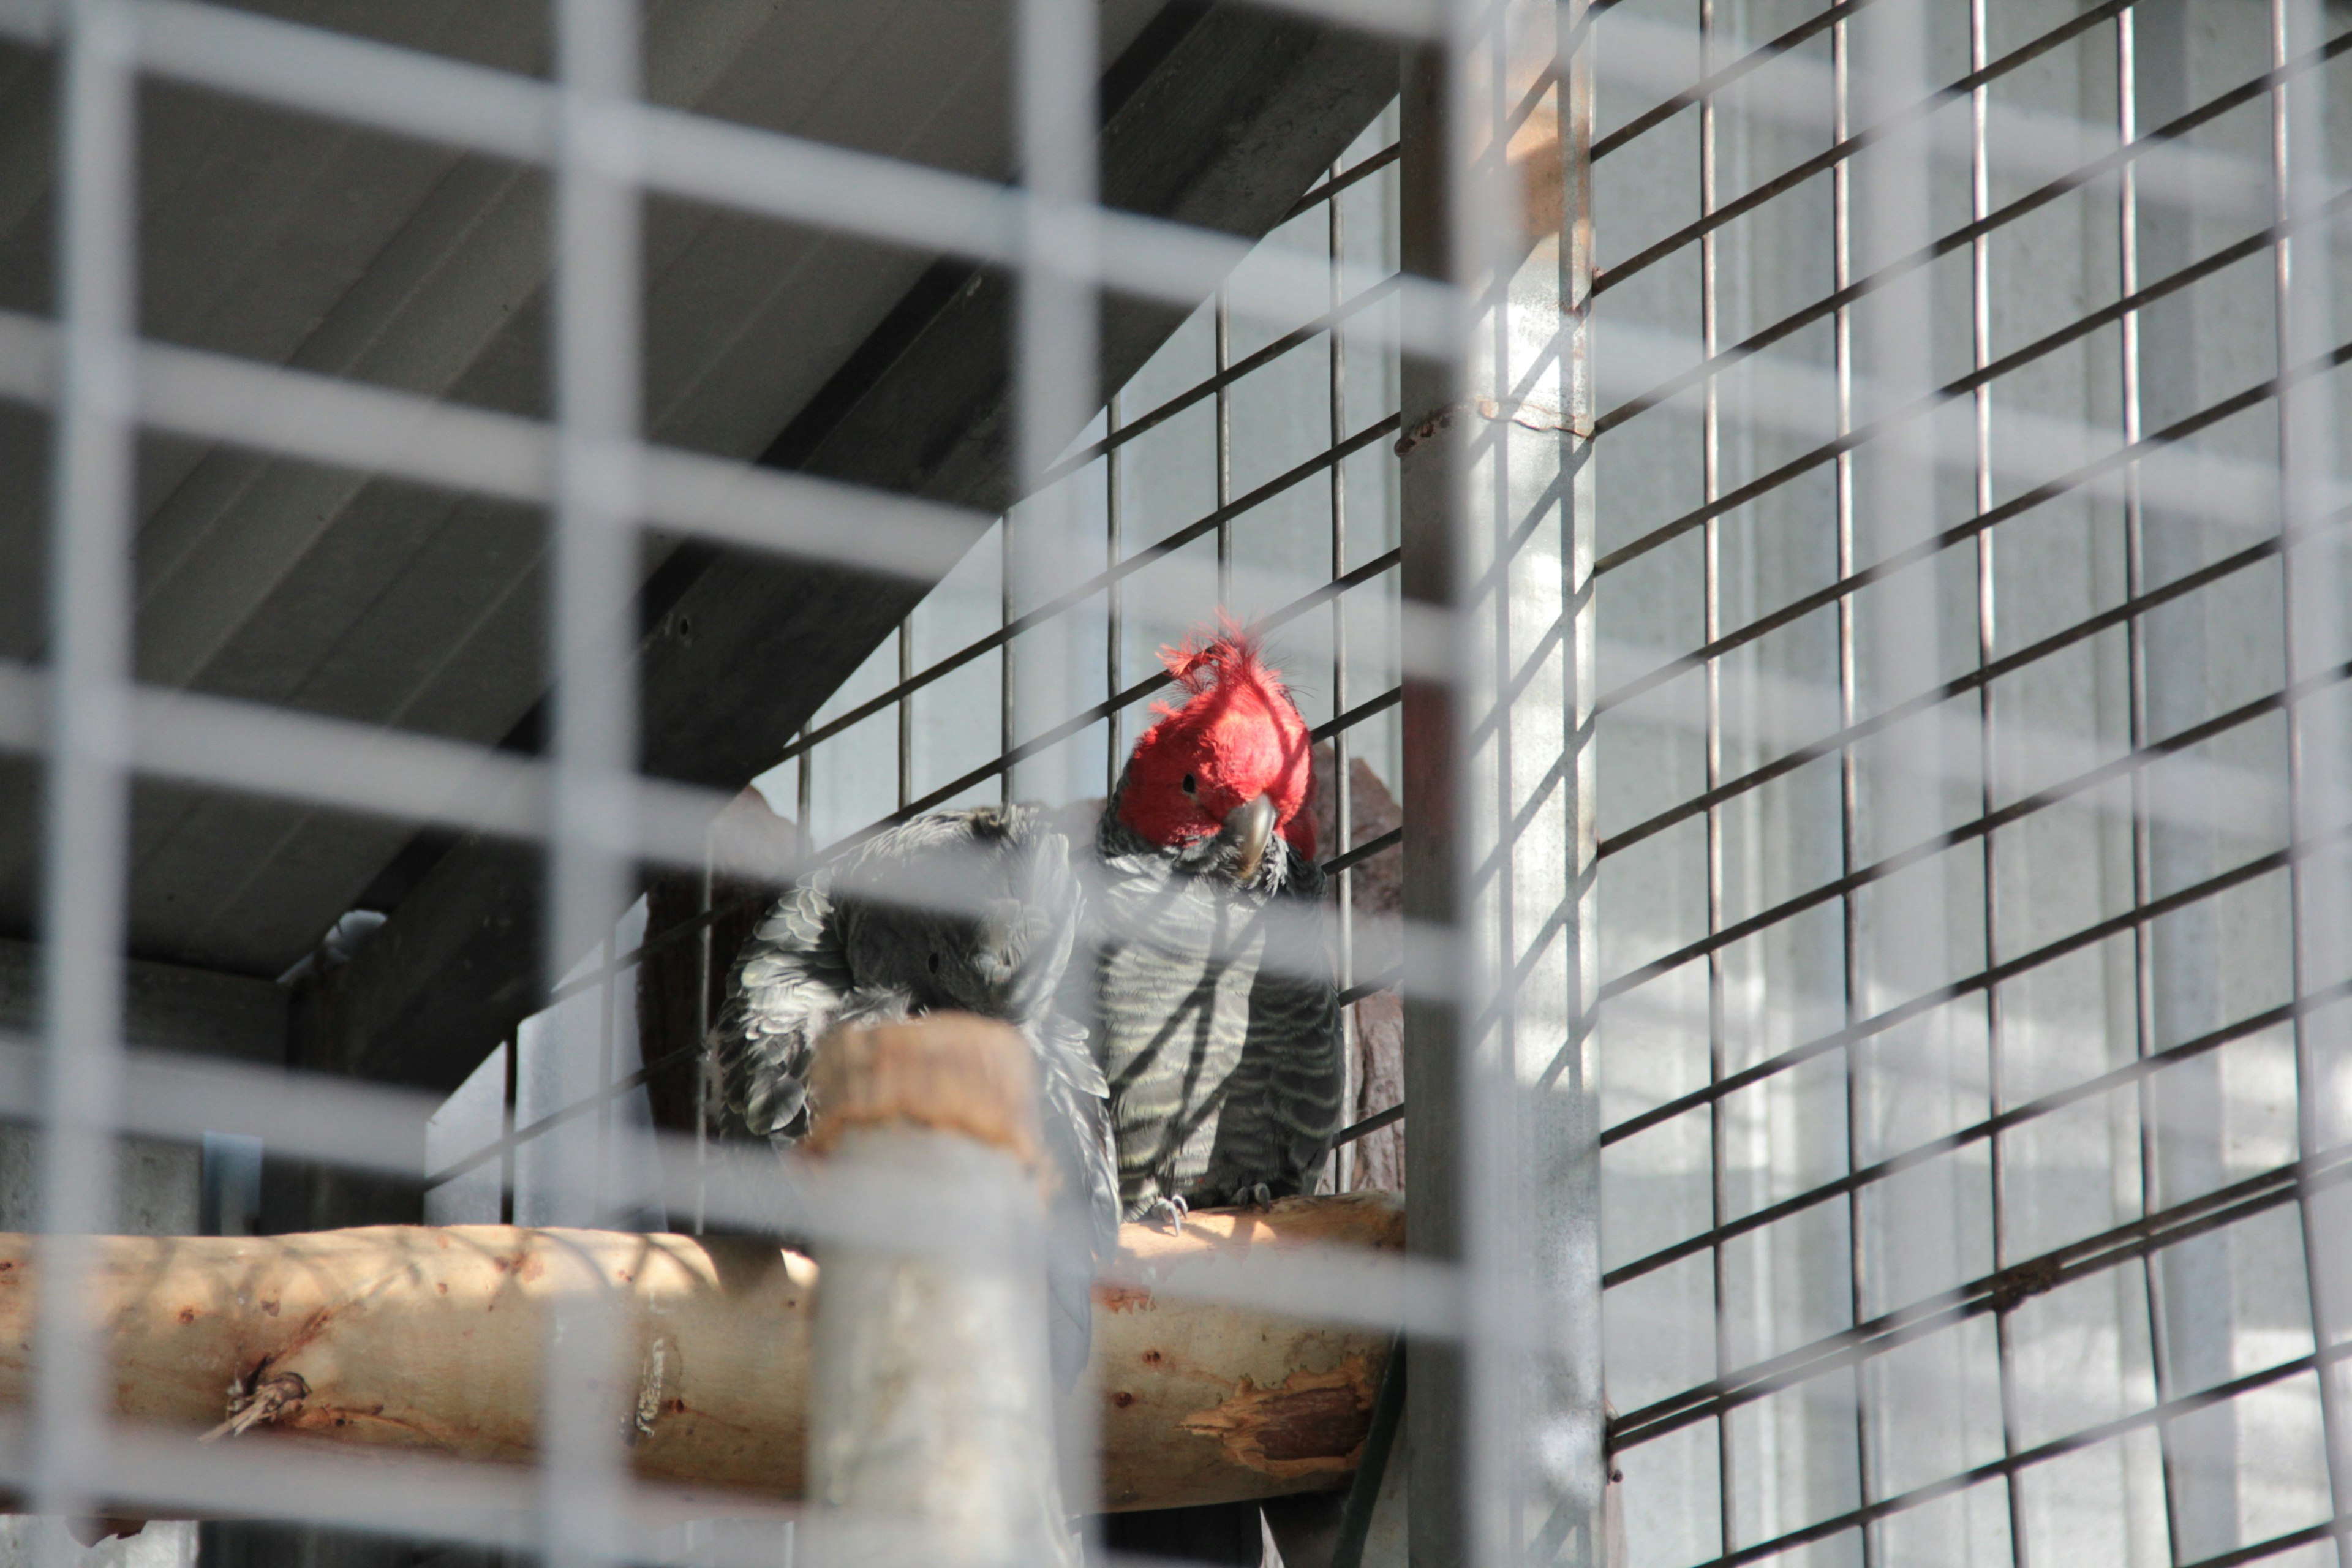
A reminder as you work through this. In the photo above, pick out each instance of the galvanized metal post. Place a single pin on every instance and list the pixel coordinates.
(1433, 1418)
(1505, 1431)
(931, 1411)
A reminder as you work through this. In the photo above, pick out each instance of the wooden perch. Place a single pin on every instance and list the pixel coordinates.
(430, 1338)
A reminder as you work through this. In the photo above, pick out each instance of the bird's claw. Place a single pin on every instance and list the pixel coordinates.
(1261, 1198)
(1168, 1213)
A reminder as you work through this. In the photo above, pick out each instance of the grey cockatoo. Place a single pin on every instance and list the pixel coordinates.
(1201, 1018)
(1209, 987)
(973, 910)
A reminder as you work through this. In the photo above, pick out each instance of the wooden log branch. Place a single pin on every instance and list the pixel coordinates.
(424, 1338)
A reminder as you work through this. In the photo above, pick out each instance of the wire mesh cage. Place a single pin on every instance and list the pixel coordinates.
(1803, 542)
(1966, 1045)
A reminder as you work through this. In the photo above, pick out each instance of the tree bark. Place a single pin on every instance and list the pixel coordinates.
(424, 1338)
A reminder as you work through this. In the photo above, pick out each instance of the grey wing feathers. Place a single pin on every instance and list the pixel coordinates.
(790, 986)
(950, 910)
(975, 911)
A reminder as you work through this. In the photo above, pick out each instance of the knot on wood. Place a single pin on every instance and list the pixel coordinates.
(1311, 1423)
(261, 1396)
(2011, 1285)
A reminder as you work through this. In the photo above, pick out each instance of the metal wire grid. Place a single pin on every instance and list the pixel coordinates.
(1732, 1383)
(97, 696)
(1096, 464)
(99, 716)
(601, 482)
(1101, 729)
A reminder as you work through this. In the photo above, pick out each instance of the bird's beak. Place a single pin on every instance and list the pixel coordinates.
(1251, 826)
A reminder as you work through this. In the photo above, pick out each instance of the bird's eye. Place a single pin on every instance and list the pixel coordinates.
(935, 964)
(1192, 784)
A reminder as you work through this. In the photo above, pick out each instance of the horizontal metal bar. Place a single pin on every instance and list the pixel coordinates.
(1369, 1124)
(286, 754)
(1400, 18)
(2042, 1453)
(177, 1097)
(1364, 851)
(887, 200)
(1717, 80)
(158, 1472)
(1359, 713)
(1975, 1132)
(2080, 327)
(621, 1087)
(1977, 828)
(1837, 152)
(1128, 429)
(373, 1127)
(349, 424)
(2123, 457)
(2309, 1533)
(340, 764)
(1836, 740)
(562, 1116)
(1079, 594)
(1998, 1291)
(1078, 722)
(1339, 182)
(1983, 979)
(279, 753)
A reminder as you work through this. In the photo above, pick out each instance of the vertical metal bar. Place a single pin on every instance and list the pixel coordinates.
(1569, 1130)
(600, 1202)
(905, 712)
(595, 352)
(1850, 852)
(509, 1155)
(1114, 598)
(1904, 1235)
(1343, 794)
(804, 791)
(1710, 627)
(88, 785)
(2135, 675)
(1987, 630)
(1008, 721)
(2312, 581)
(1435, 1417)
(1498, 763)
(1504, 1490)
(596, 381)
(706, 1060)
(1055, 392)
(1224, 359)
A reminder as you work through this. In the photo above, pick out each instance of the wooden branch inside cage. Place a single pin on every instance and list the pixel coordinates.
(431, 1338)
